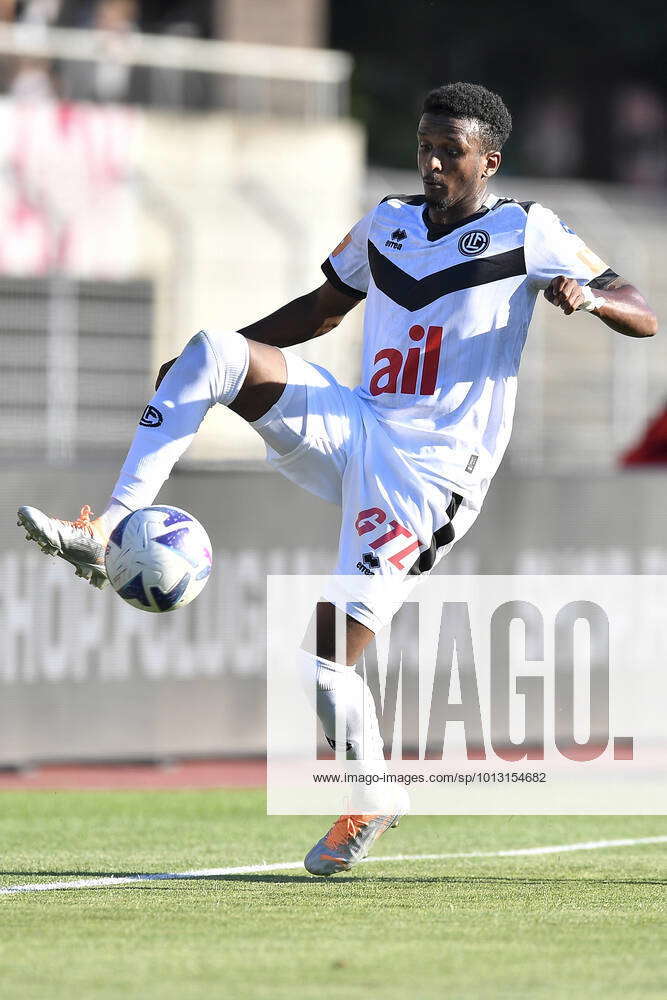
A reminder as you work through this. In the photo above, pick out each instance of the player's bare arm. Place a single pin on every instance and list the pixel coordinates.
(303, 319)
(623, 307)
(309, 316)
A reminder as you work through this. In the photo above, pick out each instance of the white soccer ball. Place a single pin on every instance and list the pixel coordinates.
(158, 558)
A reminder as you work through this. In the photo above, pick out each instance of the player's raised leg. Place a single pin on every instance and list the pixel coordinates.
(243, 370)
(213, 368)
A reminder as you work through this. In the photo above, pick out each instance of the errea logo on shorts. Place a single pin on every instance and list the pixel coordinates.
(474, 242)
(368, 563)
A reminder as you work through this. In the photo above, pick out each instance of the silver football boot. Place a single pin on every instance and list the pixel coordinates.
(347, 843)
(79, 542)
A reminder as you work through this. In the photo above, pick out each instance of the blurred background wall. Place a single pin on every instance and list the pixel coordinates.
(169, 166)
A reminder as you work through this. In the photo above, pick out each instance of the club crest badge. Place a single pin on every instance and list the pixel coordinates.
(473, 243)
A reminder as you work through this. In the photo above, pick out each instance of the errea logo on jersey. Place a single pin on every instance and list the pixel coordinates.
(396, 241)
(474, 242)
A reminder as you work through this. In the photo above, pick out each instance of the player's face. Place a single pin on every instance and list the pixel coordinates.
(450, 160)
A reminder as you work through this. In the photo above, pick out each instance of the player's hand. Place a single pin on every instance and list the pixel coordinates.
(163, 371)
(564, 293)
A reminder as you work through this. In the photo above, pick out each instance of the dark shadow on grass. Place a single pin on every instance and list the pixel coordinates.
(361, 875)
(155, 878)
(165, 883)
(508, 880)
(349, 879)
(342, 878)
(434, 880)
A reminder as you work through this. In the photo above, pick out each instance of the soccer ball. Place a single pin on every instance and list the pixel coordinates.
(158, 558)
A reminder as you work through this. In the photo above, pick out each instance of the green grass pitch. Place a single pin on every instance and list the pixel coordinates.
(589, 924)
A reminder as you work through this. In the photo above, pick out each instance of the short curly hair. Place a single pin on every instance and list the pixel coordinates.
(470, 100)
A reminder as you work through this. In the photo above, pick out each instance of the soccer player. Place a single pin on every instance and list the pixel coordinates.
(450, 277)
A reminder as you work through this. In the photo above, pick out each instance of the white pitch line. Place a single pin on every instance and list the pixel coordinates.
(281, 866)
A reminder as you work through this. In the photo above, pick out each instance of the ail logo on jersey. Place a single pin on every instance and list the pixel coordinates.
(396, 241)
(474, 242)
(416, 367)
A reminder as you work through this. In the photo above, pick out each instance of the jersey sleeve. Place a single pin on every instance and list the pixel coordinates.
(346, 267)
(552, 248)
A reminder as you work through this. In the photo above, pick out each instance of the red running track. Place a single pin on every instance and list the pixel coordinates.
(179, 774)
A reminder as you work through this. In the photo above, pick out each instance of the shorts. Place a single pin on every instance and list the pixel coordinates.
(395, 527)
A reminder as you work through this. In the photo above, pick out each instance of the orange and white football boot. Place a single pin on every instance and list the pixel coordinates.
(81, 543)
(347, 843)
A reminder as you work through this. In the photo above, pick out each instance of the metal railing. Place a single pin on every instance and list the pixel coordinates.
(75, 367)
(191, 72)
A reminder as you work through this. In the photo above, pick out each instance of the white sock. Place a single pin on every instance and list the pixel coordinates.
(337, 684)
(211, 369)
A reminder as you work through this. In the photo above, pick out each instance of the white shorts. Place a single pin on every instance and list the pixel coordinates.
(395, 526)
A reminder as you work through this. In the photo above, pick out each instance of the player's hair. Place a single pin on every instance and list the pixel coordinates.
(470, 100)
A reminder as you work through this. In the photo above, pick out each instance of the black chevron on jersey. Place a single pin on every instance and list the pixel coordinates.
(416, 293)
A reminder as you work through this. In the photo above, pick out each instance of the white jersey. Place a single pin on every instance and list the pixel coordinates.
(446, 319)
